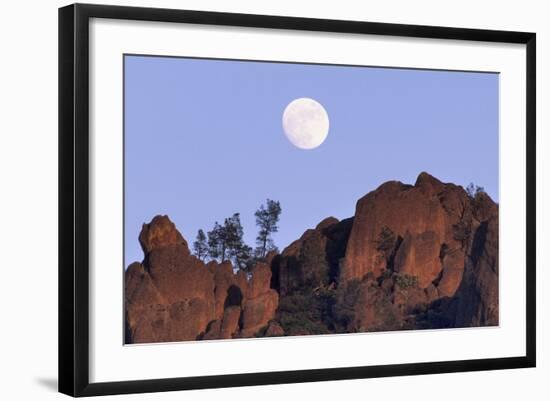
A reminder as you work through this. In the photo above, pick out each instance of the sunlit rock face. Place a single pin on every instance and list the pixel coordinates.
(434, 245)
(173, 296)
(414, 213)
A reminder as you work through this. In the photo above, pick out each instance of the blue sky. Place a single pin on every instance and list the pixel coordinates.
(203, 139)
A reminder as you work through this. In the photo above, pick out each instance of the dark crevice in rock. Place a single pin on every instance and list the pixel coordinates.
(234, 297)
(335, 249)
(391, 260)
(437, 280)
(478, 243)
(443, 251)
(275, 269)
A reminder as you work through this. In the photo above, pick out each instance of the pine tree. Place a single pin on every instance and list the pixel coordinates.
(242, 257)
(200, 246)
(216, 242)
(226, 242)
(238, 251)
(267, 218)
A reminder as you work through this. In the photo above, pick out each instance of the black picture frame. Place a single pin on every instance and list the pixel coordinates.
(74, 198)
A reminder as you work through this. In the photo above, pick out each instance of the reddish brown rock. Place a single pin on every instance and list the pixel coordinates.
(261, 303)
(241, 280)
(171, 296)
(212, 331)
(477, 297)
(413, 256)
(371, 308)
(212, 266)
(429, 185)
(140, 294)
(430, 231)
(257, 312)
(314, 259)
(418, 255)
(139, 286)
(451, 275)
(450, 281)
(274, 329)
(396, 207)
(270, 256)
(302, 263)
(454, 200)
(179, 321)
(431, 293)
(227, 291)
(326, 223)
(426, 216)
(230, 322)
(179, 276)
(176, 274)
(160, 233)
(260, 281)
(484, 207)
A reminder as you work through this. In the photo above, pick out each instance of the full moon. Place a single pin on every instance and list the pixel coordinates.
(305, 122)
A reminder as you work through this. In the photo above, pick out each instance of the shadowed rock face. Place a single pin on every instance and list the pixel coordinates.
(477, 296)
(412, 257)
(314, 259)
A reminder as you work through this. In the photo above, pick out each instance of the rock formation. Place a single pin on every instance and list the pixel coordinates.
(173, 296)
(412, 257)
(314, 259)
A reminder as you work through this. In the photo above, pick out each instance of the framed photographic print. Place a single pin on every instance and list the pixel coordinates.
(249, 199)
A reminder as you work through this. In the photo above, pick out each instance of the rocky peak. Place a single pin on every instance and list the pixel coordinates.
(429, 184)
(431, 215)
(160, 233)
(328, 222)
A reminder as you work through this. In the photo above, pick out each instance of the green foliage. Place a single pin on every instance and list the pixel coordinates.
(242, 256)
(405, 281)
(226, 242)
(388, 315)
(346, 300)
(267, 218)
(200, 246)
(307, 312)
(474, 190)
(386, 274)
(217, 242)
(476, 196)
(462, 231)
(386, 240)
